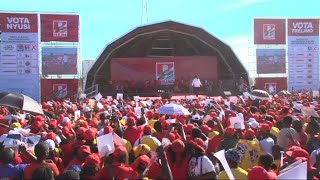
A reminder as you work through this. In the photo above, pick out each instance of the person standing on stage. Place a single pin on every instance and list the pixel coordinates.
(196, 85)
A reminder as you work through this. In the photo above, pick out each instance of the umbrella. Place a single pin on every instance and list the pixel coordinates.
(284, 92)
(173, 109)
(20, 101)
(260, 94)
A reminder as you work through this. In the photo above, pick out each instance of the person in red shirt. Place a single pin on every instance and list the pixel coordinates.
(91, 167)
(115, 166)
(41, 151)
(82, 153)
(177, 159)
(132, 132)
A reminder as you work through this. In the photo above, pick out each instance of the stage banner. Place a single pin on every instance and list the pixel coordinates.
(59, 61)
(165, 73)
(19, 51)
(270, 61)
(303, 54)
(269, 31)
(60, 90)
(58, 27)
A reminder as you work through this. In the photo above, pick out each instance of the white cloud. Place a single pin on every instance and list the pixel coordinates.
(239, 4)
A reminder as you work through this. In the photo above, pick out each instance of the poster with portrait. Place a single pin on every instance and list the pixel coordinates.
(165, 73)
(271, 87)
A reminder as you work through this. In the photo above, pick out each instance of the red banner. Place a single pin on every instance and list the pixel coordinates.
(20, 23)
(268, 84)
(56, 27)
(269, 31)
(59, 88)
(303, 27)
(141, 69)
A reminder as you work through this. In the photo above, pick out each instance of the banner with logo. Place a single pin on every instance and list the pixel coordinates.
(271, 61)
(269, 31)
(19, 67)
(58, 27)
(165, 73)
(60, 90)
(303, 54)
(59, 61)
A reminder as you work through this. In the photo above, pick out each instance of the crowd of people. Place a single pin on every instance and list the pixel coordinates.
(275, 134)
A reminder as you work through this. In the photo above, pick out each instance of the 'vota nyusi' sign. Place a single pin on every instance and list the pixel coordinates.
(14, 22)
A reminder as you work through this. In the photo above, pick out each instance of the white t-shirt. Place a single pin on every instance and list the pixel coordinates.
(267, 144)
(194, 168)
(283, 140)
(196, 82)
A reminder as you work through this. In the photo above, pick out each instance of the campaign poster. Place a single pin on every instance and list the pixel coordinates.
(59, 61)
(60, 90)
(269, 31)
(271, 87)
(59, 27)
(165, 73)
(19, 54)
(271, 61)
(303, 54)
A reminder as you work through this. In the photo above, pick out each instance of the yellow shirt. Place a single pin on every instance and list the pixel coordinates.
(275, 131)
(151, 122)
(128, 145)
(249, 152)
(213, 134)
(238, 173)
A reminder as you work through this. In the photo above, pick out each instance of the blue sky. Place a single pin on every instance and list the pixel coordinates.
(103, 21)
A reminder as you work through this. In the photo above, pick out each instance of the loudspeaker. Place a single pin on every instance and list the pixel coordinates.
(166, 95)
(227, 93)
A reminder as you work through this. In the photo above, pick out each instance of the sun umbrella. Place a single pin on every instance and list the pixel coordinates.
(20, 101)
(173, 109)
(260, 94)
(284, 92)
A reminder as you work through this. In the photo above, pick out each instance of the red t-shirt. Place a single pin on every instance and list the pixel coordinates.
(120, 171)
(74, 162)
(28, 171)
(132, 133)
(179, 169)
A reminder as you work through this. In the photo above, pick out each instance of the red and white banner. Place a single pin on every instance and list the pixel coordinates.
(303, 54)
(60, 90)
(56, 27)
(269, 31)
(19, 67)
(19, 23)
(303, 27)
(165, 73)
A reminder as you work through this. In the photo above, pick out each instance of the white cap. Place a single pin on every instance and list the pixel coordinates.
(254, 124)
(66, 120)
(196, 117)
(113, 106)
(297, 106)
(87, 109)
(106, 113)
(51, 144)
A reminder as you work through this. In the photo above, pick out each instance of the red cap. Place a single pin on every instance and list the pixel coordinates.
(249, 133)
(188, 128)
(84, 124)
(92, 161)
(53, 123)
(107, 130)
(147, 129)
(257, 172)
(265, 128)
(205, 129)
(177, 146)
(38, 118)
(213, 114)
(51, 136)
(89, 135)
(230, 131)
(131, 121)
(81, 131)
(165, 124)
(119, 150)
(300, 153)
(85, 148)
(143, 160)
(199, 143)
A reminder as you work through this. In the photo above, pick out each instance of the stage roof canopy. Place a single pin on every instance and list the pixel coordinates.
(167, 39)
